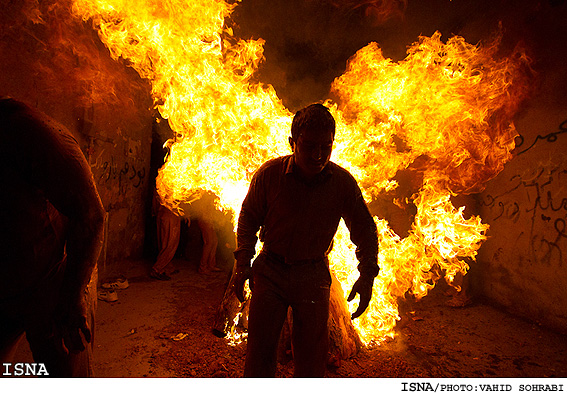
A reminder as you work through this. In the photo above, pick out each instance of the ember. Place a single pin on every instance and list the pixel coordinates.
(444, 113)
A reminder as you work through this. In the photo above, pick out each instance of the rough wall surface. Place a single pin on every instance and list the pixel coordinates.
(56, 63)
(523, 265)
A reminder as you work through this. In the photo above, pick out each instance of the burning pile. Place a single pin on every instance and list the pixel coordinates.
(444, 114)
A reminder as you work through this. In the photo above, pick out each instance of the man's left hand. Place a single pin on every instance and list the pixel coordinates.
(363, 286)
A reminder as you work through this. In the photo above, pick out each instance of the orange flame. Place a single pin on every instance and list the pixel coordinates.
(445, 112)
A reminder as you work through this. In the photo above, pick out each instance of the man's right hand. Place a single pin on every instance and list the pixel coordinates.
(242, 273)
(71, 328)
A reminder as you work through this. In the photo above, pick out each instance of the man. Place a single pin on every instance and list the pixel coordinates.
(51, 230)
(297, 202)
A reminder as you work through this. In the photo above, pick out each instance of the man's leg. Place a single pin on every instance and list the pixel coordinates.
(169, 232)
(210, 242)
(268, 311)
(310, 336)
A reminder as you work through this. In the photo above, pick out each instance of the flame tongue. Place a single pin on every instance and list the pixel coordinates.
(444, 115)
(199, 74)
(444, 112)
(452, 102)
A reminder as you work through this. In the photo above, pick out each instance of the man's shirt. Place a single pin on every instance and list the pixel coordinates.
(298, 218)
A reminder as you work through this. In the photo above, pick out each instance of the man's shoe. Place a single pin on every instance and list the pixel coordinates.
(118, 284)
(108, 295)
(158, 276)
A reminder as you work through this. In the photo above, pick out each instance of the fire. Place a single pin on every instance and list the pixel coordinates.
(200, 81)
(443, 114)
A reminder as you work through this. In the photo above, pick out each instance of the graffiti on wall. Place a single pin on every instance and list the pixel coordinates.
(118, 179)
(538, 197)
(125, 172)
(550, 137)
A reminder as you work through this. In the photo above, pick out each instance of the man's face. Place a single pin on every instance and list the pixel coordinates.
(312, 151)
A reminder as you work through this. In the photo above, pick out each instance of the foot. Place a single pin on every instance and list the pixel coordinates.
(159, 276)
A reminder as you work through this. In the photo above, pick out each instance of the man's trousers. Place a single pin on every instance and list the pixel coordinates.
(305, 287)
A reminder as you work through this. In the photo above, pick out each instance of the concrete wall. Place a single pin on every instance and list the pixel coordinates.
(57, 64)
(523, 266)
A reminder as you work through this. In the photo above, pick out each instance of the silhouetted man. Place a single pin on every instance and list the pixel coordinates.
(51, 229)
(297, 202)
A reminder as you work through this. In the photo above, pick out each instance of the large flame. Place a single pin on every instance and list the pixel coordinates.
(444, 114)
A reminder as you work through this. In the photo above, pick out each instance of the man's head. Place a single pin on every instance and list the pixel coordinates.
(312, 135)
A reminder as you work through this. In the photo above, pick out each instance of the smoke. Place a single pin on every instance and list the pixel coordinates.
(308, 42)
(379, 10)
(62, 55)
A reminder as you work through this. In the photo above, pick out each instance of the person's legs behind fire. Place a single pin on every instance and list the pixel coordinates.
(169, 233)
(208, 261)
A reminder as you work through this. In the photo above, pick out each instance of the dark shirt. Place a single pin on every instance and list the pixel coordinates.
(299, 218)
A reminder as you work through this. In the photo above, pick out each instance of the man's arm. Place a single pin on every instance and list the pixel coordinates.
(52, 160)
(84, 209)
(249, 222)
(364, 235)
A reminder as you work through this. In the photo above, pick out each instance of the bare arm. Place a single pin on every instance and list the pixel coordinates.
(49, 158)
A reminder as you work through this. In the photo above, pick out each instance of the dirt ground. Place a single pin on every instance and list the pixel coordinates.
(136, 336)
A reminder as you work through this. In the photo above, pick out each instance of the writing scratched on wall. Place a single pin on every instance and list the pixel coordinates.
(123, 173)
(550, 137)
(540, 198)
